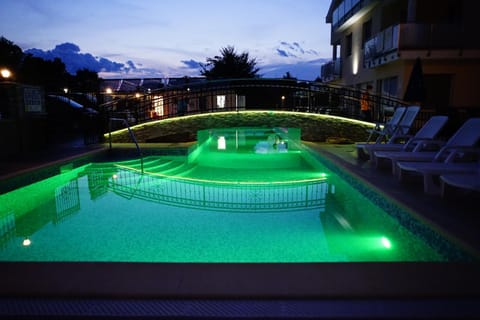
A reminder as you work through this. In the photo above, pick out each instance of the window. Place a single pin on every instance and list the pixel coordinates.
(348, 45)
(366, 32)
(158, 106)
(389, 87)
(241, 102)
(221, 101)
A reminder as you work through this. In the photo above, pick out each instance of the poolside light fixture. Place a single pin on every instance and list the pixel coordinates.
(26, 242)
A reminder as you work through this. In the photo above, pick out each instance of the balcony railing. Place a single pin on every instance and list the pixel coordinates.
(435, 36)
(331, 70)
(376, 49)
(414, 36)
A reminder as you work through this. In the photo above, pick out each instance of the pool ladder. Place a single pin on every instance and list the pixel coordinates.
(132, 135)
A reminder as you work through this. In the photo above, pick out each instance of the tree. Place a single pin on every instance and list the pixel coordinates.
(11, 55)
(288, 76)
(230, 65)
(51, 74)
(86, 81)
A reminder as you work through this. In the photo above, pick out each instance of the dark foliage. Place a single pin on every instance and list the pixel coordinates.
(230, 65)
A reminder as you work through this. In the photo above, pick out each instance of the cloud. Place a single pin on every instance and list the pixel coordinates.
(192, 64)
(282, 53)
(302, 70)
(304, 64)
(295, 50)
(74, 60)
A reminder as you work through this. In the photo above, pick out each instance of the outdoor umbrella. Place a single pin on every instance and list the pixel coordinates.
(415, 89)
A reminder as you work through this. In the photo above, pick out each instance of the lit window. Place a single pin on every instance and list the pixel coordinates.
(158, 105)
(221, 101)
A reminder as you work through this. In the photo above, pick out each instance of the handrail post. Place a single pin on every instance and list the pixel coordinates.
(132, 135)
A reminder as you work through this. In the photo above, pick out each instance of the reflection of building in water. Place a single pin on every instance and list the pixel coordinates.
(7, 228)
(62, 202)
(220, 196)
(67, 200)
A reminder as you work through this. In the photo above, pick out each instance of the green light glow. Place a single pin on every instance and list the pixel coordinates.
(233, 205)
(252, 112)
(322, 177)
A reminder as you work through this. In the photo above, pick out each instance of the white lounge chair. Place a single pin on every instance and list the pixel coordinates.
(381, 131)
(431, 171)
(461, 142)
(468, 181)
(397, 128)
(425, 136)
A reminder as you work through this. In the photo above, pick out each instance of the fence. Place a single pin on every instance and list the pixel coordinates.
(243, 94)
(237, 95)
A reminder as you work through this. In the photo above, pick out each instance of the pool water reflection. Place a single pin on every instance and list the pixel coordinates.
(242, 195)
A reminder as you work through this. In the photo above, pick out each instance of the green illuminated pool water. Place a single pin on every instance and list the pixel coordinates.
(235, 198)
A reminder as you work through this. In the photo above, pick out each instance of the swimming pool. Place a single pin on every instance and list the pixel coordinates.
(242, 195)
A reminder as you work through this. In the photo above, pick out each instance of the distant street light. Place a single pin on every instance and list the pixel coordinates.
(5, 73)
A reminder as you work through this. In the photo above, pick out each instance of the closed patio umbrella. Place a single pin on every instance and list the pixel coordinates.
(416, 88)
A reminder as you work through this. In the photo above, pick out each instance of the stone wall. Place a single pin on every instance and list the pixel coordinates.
(314, 127)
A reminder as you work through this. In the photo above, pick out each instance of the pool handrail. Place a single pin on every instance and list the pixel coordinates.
(132, 135)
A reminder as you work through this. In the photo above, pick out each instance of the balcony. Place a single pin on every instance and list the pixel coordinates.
(387, 44)
(382, 48)
(349, 11)
(331, 70)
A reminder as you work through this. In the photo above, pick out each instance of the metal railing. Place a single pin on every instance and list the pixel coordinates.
(241, 197)
(243, 94)
(132, 135)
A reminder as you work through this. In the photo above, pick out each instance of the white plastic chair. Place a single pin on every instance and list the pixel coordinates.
(461, 143)
(387, 129)
(397, 128)
(426, 135)
(468, 181)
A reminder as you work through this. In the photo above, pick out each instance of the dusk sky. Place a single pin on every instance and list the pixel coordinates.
(167, 38)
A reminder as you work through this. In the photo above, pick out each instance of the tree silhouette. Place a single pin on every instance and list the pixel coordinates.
(86, 81)
(230, 65)
(288, 76)
(11, 55)
(51, 74)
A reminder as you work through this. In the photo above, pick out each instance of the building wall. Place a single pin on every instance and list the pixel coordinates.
(450, 55)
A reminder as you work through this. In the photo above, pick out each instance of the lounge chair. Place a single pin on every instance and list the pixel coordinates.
(431, 171)
(460, 143)
(425, 136)
(468, 181)
(397, 128)
(381, 131)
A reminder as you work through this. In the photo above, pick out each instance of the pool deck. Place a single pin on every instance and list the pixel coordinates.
(365, 290)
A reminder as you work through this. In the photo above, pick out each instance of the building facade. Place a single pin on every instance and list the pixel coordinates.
(377, 42)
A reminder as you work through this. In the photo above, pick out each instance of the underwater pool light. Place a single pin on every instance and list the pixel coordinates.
(386, 242)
